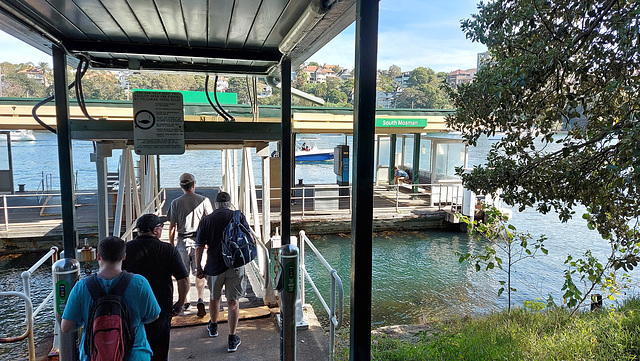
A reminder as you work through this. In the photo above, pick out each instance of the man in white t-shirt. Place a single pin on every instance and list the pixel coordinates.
(184, 216)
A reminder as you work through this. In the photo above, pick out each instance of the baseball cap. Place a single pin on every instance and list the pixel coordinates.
(223, 197)
(187, 178)
(148, 222)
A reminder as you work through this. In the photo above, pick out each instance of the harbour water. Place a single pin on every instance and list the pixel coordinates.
(416, 275)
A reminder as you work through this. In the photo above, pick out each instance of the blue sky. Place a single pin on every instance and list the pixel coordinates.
(412, 33)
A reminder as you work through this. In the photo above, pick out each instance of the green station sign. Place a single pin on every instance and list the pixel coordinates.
(401, 123)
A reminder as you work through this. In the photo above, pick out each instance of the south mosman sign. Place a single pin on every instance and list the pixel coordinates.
(400, 123)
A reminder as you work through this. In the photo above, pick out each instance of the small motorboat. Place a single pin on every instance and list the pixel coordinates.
(22, 135)
(308, 151)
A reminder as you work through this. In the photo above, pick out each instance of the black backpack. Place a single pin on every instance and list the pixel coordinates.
(109, 335)
(238, 245)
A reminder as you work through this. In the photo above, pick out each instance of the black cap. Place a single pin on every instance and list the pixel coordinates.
(223, 197)
(147, 222)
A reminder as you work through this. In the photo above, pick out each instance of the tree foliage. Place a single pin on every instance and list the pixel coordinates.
(562, 62)
(504, 241)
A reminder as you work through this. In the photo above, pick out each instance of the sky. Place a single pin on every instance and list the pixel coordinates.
(412, 33)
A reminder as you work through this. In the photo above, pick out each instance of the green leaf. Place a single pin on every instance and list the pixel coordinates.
(500, 291)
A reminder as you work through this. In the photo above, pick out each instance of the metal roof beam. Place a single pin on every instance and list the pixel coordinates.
(135, 64)
(171, 50)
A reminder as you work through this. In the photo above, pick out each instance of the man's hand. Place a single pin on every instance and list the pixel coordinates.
(176, 308)
(200, 272)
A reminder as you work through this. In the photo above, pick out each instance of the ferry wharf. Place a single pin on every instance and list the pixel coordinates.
(31, 221)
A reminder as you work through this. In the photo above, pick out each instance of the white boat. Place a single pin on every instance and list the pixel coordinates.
(307, 151)
(22, 135)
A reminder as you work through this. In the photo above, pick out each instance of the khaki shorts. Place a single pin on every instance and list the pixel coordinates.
(234, 281)
(188, 256)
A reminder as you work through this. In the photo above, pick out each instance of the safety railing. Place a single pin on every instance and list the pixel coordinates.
(262, 269)
(154, 205)
(331, 199)
(335, 318)
(37, 203)
(26, 296)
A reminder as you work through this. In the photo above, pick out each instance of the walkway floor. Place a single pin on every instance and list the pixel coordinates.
(257, 329)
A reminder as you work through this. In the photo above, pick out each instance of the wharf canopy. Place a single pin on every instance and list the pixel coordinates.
(261, 38)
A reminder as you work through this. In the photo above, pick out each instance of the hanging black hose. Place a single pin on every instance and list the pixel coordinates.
(215, 96)
(38, 105)
(80, 71)
(35, 108)
(206, 92)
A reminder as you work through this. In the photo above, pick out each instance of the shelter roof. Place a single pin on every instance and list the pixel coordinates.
(212, 36)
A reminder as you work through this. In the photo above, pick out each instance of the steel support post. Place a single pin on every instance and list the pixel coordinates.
(288, 287)
(393, 143)
(416, 161)
(286, 154)
(363, 143)
(65, 156)
(103, 151)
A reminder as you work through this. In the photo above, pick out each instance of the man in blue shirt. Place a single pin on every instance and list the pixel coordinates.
(400, 175)
(141, 303)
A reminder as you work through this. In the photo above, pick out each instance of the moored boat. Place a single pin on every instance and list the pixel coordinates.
(307, 151)
(22, 135)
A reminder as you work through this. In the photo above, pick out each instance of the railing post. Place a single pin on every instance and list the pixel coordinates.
(288, 282)
(303, 199)
(332, 315)
(6, 213)
(303, 240)
(66, 272)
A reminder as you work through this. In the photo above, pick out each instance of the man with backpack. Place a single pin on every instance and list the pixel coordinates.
(111, 297)
(158, 262)
(210, 234)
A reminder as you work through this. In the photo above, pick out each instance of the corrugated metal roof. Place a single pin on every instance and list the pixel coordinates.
(214, 36)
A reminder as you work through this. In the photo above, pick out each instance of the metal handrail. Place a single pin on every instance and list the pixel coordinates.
(335, 320)
(267, 283)
(26, 296)
(127, 235)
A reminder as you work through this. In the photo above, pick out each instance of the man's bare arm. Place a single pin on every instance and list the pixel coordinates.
(172, 232)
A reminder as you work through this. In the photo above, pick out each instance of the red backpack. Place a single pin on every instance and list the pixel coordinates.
(109, 335)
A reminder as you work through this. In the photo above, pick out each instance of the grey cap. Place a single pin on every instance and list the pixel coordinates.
(187, 178)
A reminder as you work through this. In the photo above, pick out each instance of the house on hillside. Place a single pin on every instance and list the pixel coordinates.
(402, 81)
(458, 77)
(319, 74)
(386, 99)
(34, 73)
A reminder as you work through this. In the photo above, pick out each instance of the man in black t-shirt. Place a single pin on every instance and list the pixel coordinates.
(234, 280)
(158, 261)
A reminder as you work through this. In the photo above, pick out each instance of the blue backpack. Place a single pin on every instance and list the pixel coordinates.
(238, 244)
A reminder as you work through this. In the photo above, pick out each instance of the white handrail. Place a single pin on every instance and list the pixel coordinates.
(26, 296)
(335, 319)
(127, 235)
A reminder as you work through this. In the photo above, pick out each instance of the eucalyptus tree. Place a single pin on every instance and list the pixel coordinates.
(568, 63)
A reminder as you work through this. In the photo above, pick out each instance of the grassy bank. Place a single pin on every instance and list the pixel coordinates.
(522, 335)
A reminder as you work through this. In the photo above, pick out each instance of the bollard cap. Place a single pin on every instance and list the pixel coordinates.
(288, 250)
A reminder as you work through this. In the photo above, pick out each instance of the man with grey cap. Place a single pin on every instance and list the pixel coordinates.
(234, 280)
(158, 262)
(185, 213)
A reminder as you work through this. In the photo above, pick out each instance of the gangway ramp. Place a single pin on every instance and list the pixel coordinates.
(258, 329)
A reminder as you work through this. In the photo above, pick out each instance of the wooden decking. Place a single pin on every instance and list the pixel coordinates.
(34, 222)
